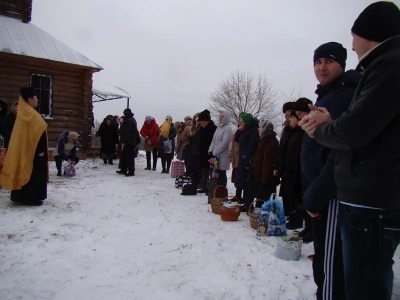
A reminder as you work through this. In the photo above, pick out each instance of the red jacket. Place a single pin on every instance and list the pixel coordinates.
(150, 130)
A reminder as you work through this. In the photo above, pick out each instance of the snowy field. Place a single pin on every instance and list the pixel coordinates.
(103, 236)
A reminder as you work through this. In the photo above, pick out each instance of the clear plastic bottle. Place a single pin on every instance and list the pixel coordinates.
(1, 141)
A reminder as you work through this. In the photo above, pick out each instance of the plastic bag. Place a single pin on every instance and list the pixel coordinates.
(69, 170)
(262, 225)
(276, 217)
(177, 168)
(181, 181)
(287, 249)
(168, 146)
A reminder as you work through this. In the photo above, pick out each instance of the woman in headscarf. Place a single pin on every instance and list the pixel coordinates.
(220, 145)
(248, 143)
(151, 140)
(167, 133)
(262, 180)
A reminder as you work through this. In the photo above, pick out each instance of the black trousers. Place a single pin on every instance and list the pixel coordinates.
(127, 160)
(328, 260)
(166, 160)
(205, 175)
(222, 179)
(59, 161)
(155, 157)
(36, 188)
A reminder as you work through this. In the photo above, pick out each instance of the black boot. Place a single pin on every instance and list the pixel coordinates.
(110, 161)
(308, 238)
(58, 172)
(295, 220)
(105, 161)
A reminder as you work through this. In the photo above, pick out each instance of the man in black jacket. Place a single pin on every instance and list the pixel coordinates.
(129, 141)
(368, 158)
(207, 131)
(335, 91)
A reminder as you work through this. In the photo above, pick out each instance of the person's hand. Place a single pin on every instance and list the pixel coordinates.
(149, 142)
(41, 154)
(230, 159)
(319, 114)
(73, 163)
(308, 125)
(69, 161)
(312, 215)
(241, 128)
(275, 173)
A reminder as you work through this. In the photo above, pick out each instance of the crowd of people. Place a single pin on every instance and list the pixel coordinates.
(336, 160)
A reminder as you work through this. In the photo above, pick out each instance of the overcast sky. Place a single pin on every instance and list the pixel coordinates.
(171, 54)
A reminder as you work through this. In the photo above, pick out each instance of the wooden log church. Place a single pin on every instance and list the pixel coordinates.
(63, 77)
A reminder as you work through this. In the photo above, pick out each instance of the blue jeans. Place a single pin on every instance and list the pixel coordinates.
(370, 238)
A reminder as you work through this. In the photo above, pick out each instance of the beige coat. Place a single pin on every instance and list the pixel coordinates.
(234, 153)
(185, 135)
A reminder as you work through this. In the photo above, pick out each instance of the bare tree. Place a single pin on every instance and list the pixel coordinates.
(293, 95)
(243, 92)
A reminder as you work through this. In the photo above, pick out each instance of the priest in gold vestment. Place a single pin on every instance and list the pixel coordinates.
(25, 168)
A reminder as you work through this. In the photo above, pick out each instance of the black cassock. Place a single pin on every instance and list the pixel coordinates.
(36, 188)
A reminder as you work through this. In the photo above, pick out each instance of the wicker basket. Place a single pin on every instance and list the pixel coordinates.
(253, 218)
(220, 194)
(230, 213)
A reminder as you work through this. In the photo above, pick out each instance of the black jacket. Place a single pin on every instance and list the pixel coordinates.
(317, 161)
(128, 132)
(207, 134)
(248, 143)
(367, 166)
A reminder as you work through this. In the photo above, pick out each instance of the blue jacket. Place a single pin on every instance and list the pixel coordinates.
(61, 144)
(317, 161)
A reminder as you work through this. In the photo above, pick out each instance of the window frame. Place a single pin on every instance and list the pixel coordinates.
(39, 88)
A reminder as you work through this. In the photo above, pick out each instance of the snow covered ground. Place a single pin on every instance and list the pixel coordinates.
(103, 236)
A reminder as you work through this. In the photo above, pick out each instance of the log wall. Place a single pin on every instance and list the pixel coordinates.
(18, 9)
(72, 93)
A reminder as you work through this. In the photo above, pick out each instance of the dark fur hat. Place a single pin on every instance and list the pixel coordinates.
(204, 115)
(288, 106)
(302, 105)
